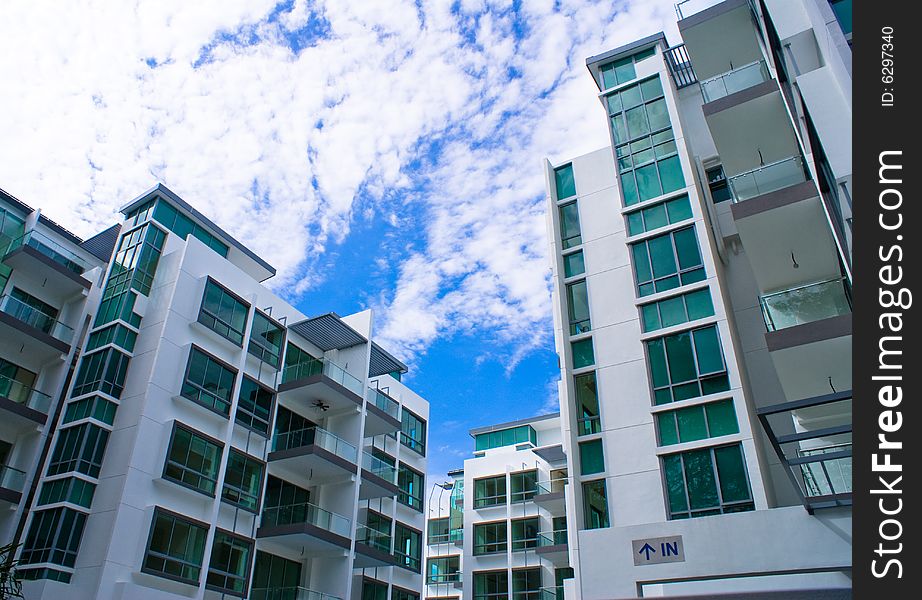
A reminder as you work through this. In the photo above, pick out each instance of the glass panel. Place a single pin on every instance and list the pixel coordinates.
(569, 225)
(699, 473)
(667, 428)
(680, 357)
(566, 185)
(670, 170)
(660, 374)
(707, 348)
(672, 311)
(595, 504)
(588, 403)
(721, 418)
(699, 304)
(650, 316)
(662, 256)
(619, 128)
(583, 355)
(635, 223)
(637, 123)
(614, 103)
(630, 97)
(686, 244)
(648, 185)
(651, 88)
(658, 114)
(691, 424)
(624, 70)
(675, 483)
(629, 189)
(590, 457)
(573, 264)
(734, 485)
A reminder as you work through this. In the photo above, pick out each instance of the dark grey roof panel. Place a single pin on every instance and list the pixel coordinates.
(103, 243)
(552, 454)
(383, 362)
(328, 332)
(511, 424)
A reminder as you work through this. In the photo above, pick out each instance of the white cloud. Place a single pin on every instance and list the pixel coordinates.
(284, 148)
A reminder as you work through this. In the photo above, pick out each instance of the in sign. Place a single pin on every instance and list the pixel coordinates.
(653, 551)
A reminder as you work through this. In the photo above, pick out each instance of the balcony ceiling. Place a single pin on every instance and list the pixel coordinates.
(805, 370)
(721, 38)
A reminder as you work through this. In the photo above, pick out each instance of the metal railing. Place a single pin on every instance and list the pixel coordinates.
(806, 303)
(767, 178)
(36, 318)
(326, 367)
(683, 74)
(22, 394)
(384, 402)
(687, 8)
(12, 479)
(305, 512)
(317, 436)
(376, 466)
(826, 477)
(289, 593)
(372, 537)
(50, 248)
(735, 80)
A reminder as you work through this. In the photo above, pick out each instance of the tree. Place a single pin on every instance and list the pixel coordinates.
(10, 586)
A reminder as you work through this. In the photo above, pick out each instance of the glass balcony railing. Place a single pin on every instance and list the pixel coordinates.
(806, 303)
(552, 538)
(289, 593)
(12, 479)
(384, 402)
(315, 435)
(687, 8)
(36, 318)
(437, 578)
(769, 178)
(826, 477)
(379, 540)
(305, 512)
(553, 486)
(376, 466)
(323, 366)
(22, 394)
(50, 248)
(735, 80)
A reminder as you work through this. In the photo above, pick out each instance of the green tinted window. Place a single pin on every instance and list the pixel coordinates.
(229, 567)
(193, 460)
(705, 482)
(208, 382)
(54, 536)
(243, 479)
(223, 313)
(583, 356)
(686, 365)
(566, 185)
(578, 307)
(697, 422)
(70, 489)
(96, 407)
(176, 548)
(254, 407)
(667, 261)
(677, 310)
(489, 491)
(569, 226)
(590, 457)
(659, 215)
(573, 264)
(595, 504)
(587, 400)
(489, 538)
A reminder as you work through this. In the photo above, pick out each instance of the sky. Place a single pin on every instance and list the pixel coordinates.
(383, 154)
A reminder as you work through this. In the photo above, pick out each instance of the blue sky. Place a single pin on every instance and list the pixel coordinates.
(385, 155)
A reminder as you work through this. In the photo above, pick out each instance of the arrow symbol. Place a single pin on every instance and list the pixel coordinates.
(647, 549)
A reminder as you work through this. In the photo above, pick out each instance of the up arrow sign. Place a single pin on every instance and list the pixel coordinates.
(653, 551)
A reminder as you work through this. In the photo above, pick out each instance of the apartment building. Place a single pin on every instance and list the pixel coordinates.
(181, 431)
(701, 269)
(499, 526)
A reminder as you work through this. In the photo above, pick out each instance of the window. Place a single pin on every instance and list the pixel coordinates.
(412, 431)
(563, 178)
(646, 150)
(443, 569)
(223, 312)
(587, 401)
(11, 228)
(254, 406)
(193, 460)
(96, 407)
(176, 547)
(591, 460)
(667, 261)
(181, 225)
(490, 538)
(54, 537)
(116, 334)
(705, 482)
(300, 364)
(373, 590)
(574, 264)
(659, 215)
(102, 371)
(266, 340)
(697, 422)
(292, 430)
(578, 307)
(595, 504)
(583, 355)
(243, 479)
(285, 503)
(378, 534)
(80, 449)
(272, 574)
(133, 268)
(401, 594)
(622, 70)
(506, 437)
(410, 484)
(491, 585)
(717, 183)
(524, 485)
(407, 547)
(677, 310)
(208, 382)
(229, 567)
(490, 491)
(31, 310)
(15, 382)
(439, 531)
(687, 365)
(843, 12)
(569, 226)
(524, 534)
(69, 489)
(526, 583)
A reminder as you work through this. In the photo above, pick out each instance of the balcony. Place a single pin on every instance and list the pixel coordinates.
(735, 80)
(12, 482)
(372, 548)
(289, 593)
(379, 479)
(551, 496)
(813, 439)
(320, 383)
(762, 180)
(718, 34)
(454, 578)
(23, 402)
(305, 529)
(806, 303)
(47, 335)
(382, 413)
(552, 546)
(40, 255)
(312, 455)
(552, 593)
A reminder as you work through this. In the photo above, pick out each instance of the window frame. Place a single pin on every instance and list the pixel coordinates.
(699, 376)
(500, 547)
(194, 523)
(742, 505)
(248, 458)
(480, 501)
(402, 466)
(248, 570)
(215, 318)
(680, 274)
(249, 413)
(185, 381)
(177, 425)
(526, 543)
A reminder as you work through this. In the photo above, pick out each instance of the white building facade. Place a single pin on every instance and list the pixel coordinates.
(500, 530)
(701, 269)
(210, 440)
